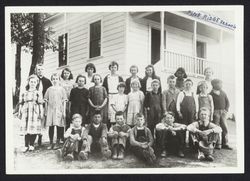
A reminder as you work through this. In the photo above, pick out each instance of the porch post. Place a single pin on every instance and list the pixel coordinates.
(162, 58)
(194, 47)
(221, 54)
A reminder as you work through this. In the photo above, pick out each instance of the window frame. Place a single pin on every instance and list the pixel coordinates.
(101, 36)
(67, 49)
(205, 48)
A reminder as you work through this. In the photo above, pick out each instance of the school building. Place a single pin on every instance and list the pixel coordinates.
(193, 40)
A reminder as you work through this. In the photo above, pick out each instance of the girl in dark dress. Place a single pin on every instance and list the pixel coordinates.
(79, 99)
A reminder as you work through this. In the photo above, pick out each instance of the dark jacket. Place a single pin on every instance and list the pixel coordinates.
(128, 82)
(144, 84)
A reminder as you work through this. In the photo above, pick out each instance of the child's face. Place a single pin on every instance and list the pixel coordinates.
(81, 81)
(55, 80)
(208, 73)
(171, 83)
(97, 80)
(169, 119)
(77, 122)
(135, 86)
(204, 116)
(218, 86)
(97, 118)
(188, 85)
(121, 90)
(149, 71)
(155, 86)
(133, 71)
(179, 74)
(32, 83)
(119, 119)
(66, 75)
(203, 88)
(90, 70)
(140, 121)
(113, 69)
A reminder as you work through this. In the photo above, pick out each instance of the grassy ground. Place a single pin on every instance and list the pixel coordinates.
(43, 158)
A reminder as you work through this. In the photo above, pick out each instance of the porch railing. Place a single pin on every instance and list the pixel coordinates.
(193, 65)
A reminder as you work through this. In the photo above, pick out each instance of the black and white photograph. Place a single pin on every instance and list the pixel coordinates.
(124, 89)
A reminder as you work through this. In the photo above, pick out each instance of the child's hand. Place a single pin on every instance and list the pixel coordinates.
(173, 133)
(196, 115)
(121, 134)
(84, 143)
(180, 115)
(224, 111)
(144, 145)
(115, 134)
(104, 140)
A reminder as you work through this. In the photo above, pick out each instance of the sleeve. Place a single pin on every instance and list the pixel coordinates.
(21, 98)
(211, 104)
(105, 94)
(164, 101)
(127, 88)
(104, 130)
(179, 100)
(146, 101)
(142, 96)
(46, 96)
(39, 97)
(68, 132)
(90, 93)
(227, 102)
(132, 140)
(71, 94)
(121, 79)
(215, 128)
(83, 129)
(160, 126)
(64, 94)
(196, 103)
(160, 88)
(126, 100)
(193, 127)
(105, 83)
(151, 139)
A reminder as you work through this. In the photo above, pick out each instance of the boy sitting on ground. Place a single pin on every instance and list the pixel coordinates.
(170, 135)
(119, 134)
(72, 145)
(95, 138)
(204, 134)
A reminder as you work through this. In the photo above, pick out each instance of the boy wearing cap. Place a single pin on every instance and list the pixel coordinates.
(119, 134)
(72, 145)
(153, 105)
(95, 138)
(170, 135)
(204, 135)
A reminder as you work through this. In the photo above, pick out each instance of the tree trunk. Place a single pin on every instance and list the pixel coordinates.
(18, 74)
(38, 47)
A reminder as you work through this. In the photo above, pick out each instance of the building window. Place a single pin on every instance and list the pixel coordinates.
(201, 49)
(63, 45)
(95, 39)
(156, 45)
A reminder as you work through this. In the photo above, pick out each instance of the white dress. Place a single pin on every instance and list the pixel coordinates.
(120, 101)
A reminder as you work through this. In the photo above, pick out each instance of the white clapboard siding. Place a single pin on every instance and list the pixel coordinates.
(77, 27)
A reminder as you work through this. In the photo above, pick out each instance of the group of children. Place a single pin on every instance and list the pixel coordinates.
(106, 117)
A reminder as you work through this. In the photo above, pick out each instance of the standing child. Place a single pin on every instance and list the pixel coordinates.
(205, 99)
(90, 70)
(170, 135)
(119, 134)
(55, 98)
(133, 70)
(153, 105)
(141, 140)
(98, 99)
(204, 135)
(169, 97)
(67, 83)
(73, 143)
(31, 112)
(221, 106)
(95, 138)
(119, 102)
(181, 75)
(79, 99)
(135, 102)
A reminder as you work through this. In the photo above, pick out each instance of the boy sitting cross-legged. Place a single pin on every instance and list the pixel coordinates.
(73, 141)
(204, 134)
(95, 138)
(119, 134)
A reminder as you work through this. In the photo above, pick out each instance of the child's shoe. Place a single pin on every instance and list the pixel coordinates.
(181, 154)
(120, 154)
(227, 147)
(57, 145)
(83, 155)
(31, 148)
(210, 158)
(201, 156)
(69, 157)
(25, 149)
(114, 156)
(51, 146)
(164, 153)
(218, 146)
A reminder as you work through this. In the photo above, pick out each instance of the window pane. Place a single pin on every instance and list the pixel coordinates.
(95, 39)
(62, 41)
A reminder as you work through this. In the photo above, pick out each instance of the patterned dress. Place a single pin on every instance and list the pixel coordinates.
(30, 121)
(135, 105)
(55, 96)
(97, 94)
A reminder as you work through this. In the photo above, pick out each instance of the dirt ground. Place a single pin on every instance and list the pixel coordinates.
(46, 159)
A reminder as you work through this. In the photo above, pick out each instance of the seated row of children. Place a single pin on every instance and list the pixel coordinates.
(170, 136)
